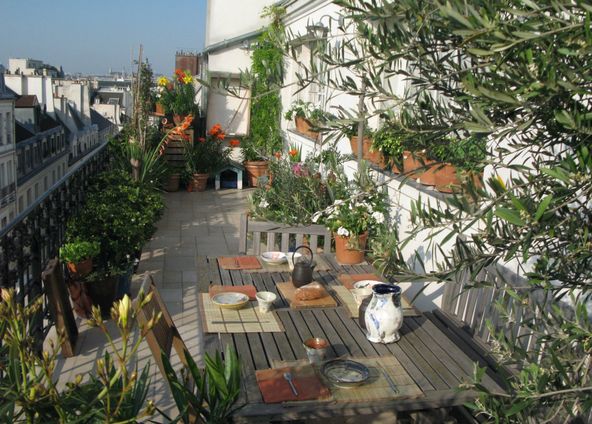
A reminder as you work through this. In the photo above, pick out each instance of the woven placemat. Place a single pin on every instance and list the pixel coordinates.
(239, 262)
(377, 387)
(347, 299)
(348, 280)
(245, 320)
(321, 265)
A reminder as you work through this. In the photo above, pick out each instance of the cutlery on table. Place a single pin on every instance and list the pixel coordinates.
(288, 377)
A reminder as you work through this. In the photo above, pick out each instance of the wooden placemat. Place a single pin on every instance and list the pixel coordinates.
(275, 388)
(288, 290)
(346, 297)
(239, 262)
(377, 387)
(249, 290)
(348, 280)
(245, 320)
(321, 265)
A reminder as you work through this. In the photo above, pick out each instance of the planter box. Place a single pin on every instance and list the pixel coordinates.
(303, 126)
(374, 157)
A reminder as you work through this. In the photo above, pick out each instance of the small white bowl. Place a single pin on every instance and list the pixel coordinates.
(363, 289)
(274, 258)
(265, 299)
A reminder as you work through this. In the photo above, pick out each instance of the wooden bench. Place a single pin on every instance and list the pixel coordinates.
(279, 236)
(466, 312)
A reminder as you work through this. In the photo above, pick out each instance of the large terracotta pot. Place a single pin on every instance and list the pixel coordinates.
(80, 269)
(172, 183)
(446, 179)
(103, 293)
(303, 126)
(427, 172)
(368, 154)
(346, 255)
(256, 169)
(200, 182)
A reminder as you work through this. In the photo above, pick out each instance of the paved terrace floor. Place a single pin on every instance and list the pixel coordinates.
(193, 224)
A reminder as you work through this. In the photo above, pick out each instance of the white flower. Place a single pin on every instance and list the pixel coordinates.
(338, 202)
(344, 232)
(316, 216)
(263, 203)
(378, 217)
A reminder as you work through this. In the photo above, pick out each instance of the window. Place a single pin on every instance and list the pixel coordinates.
(36, 190)
(4, 222)
(53, 180)
(21, 206)
(45, 187)
(9, 178)
(3, 135)
(8, 127)
(28, 163)
(2, 178)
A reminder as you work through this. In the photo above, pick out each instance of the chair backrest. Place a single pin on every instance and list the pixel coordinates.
(279, 236)
(164, 334)
(475, 306)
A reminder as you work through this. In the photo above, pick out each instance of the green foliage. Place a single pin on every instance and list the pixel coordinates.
(515, 74)
(295, 193)
(120, 215)
(77, 251)
(29, 384)
(267, 68)
(468, 154)
(215, 388)
(207, 155)
(388, 141)
(308, 111)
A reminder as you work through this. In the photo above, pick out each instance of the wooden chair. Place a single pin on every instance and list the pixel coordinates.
(163, 336)
(280, 235)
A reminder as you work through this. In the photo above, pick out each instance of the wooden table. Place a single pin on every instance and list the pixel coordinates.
(430, 357)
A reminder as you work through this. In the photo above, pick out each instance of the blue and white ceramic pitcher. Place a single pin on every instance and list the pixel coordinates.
(384, 315)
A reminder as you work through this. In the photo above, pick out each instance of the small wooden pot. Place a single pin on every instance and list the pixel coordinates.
(200, 182)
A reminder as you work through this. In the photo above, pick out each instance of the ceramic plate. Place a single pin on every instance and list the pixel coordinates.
(230, 300)
(345, 373)
(274, 258)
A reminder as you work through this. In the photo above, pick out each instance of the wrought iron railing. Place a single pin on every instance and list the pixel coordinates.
(35, 235)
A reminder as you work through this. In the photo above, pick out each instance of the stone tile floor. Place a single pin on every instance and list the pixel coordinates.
(193, 224)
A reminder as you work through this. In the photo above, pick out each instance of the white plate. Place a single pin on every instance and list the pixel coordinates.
(230, 300)
(274, 258)
(366, 284)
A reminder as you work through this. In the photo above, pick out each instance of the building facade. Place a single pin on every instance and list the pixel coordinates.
(7, 156)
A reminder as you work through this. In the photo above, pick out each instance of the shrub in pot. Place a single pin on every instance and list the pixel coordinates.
(389, 143)
(307, 118)
(205, 156)
(78, 256)
(120, 215)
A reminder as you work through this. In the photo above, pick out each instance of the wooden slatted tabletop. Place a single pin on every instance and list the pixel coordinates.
(435, 363)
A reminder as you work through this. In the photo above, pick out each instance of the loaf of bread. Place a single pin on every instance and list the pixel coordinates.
(310, 291)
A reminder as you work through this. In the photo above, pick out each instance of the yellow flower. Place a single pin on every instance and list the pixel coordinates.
(187, 79)
(163, 81)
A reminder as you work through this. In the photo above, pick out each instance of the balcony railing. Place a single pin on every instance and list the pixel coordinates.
(35, 235)
(7, 194)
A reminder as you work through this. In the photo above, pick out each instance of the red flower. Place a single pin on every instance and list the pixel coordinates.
(220, 136)
(216, 128)
(201, 139)
(293, 152)
(234, 142)
(278, 154)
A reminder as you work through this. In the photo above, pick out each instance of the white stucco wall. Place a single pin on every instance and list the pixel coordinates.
(227, 19)
(38, 85)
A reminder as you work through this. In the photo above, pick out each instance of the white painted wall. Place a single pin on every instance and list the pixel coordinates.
(227, 19)
(7, 158)
(38, 85)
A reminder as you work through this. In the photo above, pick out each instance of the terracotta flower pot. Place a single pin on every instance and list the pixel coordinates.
(256, 169)
(427, 172)
(349, 256)
(80, 269)
(303, 126)
(410, 164)
(200, 182)
(172, 183)
(446, 179)
(159, 109)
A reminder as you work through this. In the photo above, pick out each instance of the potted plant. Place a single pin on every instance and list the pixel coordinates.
(120, 215)
(177, 95)
(256, 164)
(307, 118)
(351, 131)
(388, 143)
(78, 256)
(206, 156)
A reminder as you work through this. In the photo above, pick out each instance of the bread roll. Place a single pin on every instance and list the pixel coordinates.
(310, 291)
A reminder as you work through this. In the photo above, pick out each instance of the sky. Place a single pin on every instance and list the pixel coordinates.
(94, 36)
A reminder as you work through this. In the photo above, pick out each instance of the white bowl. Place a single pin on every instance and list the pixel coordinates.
(274, 258)
(363, 289)
(230, 300)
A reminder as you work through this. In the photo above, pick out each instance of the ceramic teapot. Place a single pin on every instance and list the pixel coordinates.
(383, 315)
(302, 273)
